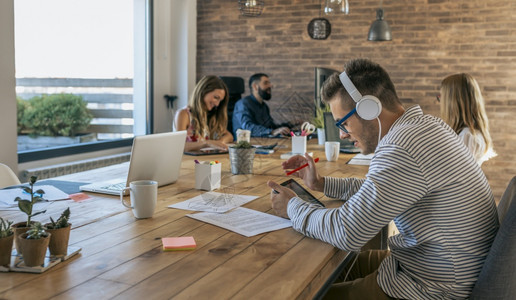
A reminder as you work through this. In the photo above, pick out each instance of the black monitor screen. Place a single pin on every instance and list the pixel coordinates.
(321, 74)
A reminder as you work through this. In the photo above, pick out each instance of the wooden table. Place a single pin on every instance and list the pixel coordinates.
(121, 256)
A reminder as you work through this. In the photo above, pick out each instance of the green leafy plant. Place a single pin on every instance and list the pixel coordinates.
(5, 228)
(62, 222)
(36, 231)
(242, 145)
(54, 115)
(318, 120)
(35, 196)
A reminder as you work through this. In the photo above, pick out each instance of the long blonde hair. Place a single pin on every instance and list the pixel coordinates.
(208, 123)
(462, 105)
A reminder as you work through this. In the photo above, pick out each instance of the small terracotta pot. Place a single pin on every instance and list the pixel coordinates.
(19, 229)
(6, 248)
(33, 251)
(58, 245)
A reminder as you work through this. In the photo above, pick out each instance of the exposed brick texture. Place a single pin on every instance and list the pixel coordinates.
(431, 39)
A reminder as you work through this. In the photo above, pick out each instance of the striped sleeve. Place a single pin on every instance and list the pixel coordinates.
(383, 195)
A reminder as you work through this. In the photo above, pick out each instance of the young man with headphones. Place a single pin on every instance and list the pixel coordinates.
(421, 176)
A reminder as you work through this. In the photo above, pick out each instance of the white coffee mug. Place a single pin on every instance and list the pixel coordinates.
(144, 195)
(332, 149)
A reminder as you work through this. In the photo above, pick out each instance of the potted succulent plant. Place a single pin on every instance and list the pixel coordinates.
(6, 242)
(60, 231)
(241, 157)
(34, 244)
(26, 206)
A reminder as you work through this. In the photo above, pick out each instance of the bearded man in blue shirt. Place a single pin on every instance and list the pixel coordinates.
(252, 113)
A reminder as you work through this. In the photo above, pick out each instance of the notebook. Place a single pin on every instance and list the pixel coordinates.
(153, 157)
(331, 132)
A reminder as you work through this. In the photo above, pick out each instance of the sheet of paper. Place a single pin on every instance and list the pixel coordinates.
(361, 159)
(244, 221)
(214, 202)
(7, 196)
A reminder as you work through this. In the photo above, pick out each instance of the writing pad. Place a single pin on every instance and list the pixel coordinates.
(301, 192)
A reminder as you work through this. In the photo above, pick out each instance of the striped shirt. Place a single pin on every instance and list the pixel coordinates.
(423, 177)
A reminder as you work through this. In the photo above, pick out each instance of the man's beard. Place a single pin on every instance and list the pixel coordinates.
(265, 94)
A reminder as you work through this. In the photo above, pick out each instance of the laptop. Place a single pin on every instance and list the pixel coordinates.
(153, 157)
(331, 132)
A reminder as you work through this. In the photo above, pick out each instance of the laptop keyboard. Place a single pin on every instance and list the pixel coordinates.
(114, 187)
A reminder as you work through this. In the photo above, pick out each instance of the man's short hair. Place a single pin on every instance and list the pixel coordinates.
(369, 78)
(254, 78)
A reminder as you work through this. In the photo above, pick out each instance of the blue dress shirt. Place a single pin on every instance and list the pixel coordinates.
(252, 115)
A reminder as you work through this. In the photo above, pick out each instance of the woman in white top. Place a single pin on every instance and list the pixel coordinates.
(462, 107)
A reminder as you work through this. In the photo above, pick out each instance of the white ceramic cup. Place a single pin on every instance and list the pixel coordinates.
(243, 135)
(144, 195)
(299, 144)
(332, 149)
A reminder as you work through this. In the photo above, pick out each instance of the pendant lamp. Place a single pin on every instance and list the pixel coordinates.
(379, 30)
(333, 7)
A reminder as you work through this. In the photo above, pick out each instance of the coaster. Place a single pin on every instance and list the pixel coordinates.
(72, 250)
(17, 264)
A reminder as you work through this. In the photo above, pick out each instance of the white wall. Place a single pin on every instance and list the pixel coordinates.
(175, 42)
(8, 134)
(174, 74)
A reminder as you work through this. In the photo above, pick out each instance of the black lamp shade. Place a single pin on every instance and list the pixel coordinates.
(380, 30)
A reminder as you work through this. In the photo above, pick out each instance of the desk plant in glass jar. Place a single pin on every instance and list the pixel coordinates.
(318, 121)
(241, 158)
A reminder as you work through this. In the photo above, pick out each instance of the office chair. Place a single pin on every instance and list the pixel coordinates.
(7, 176)
(236, 88)
(497, 279)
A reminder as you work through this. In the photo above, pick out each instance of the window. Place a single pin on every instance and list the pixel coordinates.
(80, 49)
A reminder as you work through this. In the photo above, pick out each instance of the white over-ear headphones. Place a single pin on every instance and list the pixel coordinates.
(368, 106)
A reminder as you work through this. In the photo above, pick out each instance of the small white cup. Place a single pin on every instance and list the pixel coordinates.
(243, 135)
(299, 144)
(332, 149)
(144, 195)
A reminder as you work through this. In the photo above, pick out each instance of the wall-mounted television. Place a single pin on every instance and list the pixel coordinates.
(321, 74)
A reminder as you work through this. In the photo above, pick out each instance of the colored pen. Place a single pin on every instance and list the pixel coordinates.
(303, 166)
(292, 133)
(196, 161)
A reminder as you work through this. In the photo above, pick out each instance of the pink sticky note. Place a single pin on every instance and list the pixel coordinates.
(78, 197)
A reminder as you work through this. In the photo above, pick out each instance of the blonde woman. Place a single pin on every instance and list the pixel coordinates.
(205, 118)
(462, 107)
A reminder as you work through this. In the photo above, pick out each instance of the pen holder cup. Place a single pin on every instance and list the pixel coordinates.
(299, 144)
(207, 177)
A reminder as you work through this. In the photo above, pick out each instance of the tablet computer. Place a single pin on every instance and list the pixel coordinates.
(301, 191)
(206, 151)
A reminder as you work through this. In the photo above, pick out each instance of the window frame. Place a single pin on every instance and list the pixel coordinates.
(54, 152)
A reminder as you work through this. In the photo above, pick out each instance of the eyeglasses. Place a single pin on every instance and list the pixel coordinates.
(340, 122)
(438, 96)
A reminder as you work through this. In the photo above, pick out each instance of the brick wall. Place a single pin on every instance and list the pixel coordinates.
(431, 39)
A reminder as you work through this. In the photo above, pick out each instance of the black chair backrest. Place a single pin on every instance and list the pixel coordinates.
(236, 87)
(497, 280)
